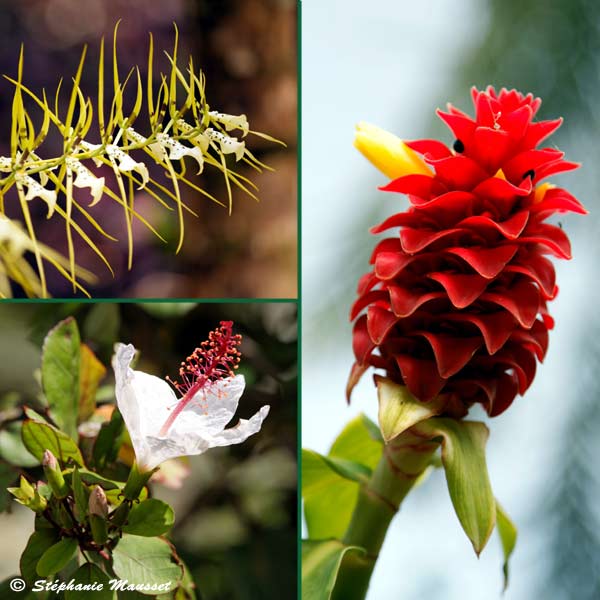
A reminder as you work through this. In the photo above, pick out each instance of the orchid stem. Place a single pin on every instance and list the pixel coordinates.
(402, 462)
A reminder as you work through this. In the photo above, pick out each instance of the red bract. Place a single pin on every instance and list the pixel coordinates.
(456, 300)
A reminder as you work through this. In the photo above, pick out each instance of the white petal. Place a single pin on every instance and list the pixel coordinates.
(35, 190)
(161, 449)
(135, 136)
(159, 150)
(203, 142)
(242, 431)
(177, 150)
(126, 400)
(96, 189)
(211, 409)
(180, 151)
(126, 163)
(5, 164)
(143, 400)
(229, 145)
(85, 178)
(87, 147)
(231, 121)
(197, 442)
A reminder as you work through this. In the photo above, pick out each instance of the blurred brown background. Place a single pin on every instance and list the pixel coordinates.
(247, 49)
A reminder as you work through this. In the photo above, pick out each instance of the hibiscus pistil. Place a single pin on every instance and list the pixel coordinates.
(216, 358)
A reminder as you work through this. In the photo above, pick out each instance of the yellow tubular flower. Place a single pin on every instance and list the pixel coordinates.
(388, 153)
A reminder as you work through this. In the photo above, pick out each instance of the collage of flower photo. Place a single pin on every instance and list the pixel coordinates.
(297, 300)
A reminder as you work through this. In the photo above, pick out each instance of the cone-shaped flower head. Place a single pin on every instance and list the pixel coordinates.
(455, 303)
(162, 426)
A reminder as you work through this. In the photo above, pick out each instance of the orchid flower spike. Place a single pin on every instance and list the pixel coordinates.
(163, 426)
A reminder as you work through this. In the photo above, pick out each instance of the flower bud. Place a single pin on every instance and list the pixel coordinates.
(56, 481)
(98, 504)
(38, 503)
(28, 495)
(98, 507)
(49, 460)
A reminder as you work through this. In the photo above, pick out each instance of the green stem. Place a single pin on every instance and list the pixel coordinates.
(402, 462)
(136, 481)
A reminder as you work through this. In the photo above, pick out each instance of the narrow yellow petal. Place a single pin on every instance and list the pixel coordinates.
(388, 153)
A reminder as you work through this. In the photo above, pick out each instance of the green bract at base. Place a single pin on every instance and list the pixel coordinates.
(366, 476)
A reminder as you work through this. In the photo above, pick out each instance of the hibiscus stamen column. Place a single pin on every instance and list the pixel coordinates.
(215, 359)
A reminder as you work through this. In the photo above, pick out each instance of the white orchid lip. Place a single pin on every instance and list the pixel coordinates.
(147, 403)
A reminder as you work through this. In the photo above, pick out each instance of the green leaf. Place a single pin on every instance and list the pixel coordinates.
(12, 449)
(38, 437)
(57, 557)
(360, 441)
(508, 537)
(60, 374)
(323, 488)
(323, 482)
(347, 469)
(38, 543)
(399, 409)
(146, 561)
(321, 561)
(90, 374)
(109, 440)
(463, 457)
(34, 416)
(85, 577)
(372, 428)
(149, 518)
(92, 478)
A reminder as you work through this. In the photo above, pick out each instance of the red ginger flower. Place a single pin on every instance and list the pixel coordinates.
(456, 300)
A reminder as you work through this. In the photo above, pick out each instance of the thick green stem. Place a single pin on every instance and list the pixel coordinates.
(136, 481)
(402, 462)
